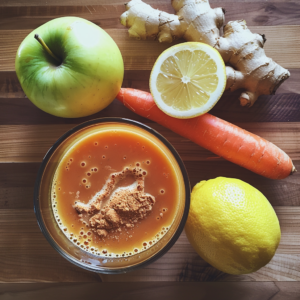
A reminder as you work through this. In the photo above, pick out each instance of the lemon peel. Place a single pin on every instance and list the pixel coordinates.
(232, 225)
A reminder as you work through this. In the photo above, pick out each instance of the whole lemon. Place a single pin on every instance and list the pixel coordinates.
(232, 225)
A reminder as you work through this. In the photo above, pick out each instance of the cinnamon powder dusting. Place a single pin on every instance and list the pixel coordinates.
(125, 207)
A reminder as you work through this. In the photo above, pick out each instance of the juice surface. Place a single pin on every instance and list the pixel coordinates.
(83, 172)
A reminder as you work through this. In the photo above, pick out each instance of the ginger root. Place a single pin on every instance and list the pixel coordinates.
(247, 65)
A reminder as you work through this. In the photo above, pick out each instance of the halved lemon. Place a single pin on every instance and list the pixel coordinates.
(188, 79)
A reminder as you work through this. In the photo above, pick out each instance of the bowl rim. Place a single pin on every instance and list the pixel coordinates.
(42, 168)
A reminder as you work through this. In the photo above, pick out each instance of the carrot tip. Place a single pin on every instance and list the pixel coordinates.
(294, 170)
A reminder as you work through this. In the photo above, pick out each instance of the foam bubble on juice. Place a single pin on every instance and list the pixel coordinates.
(83, 238)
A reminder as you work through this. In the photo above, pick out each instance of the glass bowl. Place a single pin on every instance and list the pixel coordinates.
(55, 236)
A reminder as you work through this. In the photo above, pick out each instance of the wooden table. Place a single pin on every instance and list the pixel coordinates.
(26, 133)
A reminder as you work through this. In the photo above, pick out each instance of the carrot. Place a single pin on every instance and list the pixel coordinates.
(220, 137)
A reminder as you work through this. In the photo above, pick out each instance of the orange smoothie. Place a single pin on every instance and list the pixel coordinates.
(89, 165)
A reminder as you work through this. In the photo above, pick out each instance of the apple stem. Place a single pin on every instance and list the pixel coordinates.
(41, 41)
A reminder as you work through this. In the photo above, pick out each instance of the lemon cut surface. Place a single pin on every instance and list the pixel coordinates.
(188, 79)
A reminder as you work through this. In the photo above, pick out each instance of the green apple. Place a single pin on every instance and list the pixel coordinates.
(76, 72)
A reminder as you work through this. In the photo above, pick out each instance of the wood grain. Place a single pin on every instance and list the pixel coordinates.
(278, 108)
(16, 185)
(24, 249)
(262, 13)
(90, 3)
(157, 290)
(29, 143)
(278, 192)
(17, 182)
(26, 133)
(141, 55)
(57, 3)
(138, 79)
(283, 107)
(107, 15)
(23, 246)
(137, 55)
